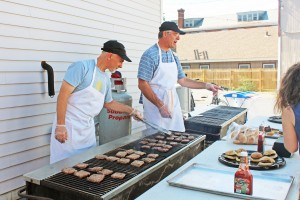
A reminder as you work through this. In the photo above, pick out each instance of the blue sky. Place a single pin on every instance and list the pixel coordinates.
(205, 8)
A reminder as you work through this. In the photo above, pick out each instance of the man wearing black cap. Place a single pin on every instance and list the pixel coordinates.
(86, 88)
(159, 71)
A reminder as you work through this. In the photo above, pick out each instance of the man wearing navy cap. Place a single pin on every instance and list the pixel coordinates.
(85, 90)
(159, 71)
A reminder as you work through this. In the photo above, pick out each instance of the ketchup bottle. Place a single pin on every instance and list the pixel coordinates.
(243, 179)
(260, 143)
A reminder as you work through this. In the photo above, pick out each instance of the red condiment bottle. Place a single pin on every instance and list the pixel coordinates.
(260, 142)
(243, 179)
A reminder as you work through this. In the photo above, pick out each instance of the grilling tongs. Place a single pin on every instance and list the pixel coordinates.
(162, 130)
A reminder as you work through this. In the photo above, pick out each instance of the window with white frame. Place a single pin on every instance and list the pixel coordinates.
(269, 66)
(252, 16)
(244, 66)
(186, 66)
(204, 66)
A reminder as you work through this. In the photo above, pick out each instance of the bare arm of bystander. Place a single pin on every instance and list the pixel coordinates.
(289, 133)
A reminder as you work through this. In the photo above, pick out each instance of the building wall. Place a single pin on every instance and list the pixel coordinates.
(59, 32)
(290, 34)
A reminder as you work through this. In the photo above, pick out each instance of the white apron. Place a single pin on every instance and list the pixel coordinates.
(163, 85)
(82, 107)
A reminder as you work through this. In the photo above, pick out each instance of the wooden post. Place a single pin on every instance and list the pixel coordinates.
(260, 80)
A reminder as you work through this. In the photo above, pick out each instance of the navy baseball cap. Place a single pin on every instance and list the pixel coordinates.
(113, 46)
(166, 26)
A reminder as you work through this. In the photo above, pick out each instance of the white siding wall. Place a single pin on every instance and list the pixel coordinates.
(290, 34)
(59, 32)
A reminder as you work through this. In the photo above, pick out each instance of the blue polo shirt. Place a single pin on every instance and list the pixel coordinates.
(150, 60)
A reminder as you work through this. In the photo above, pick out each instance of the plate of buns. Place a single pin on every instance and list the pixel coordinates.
(257, 160)
(245, 135)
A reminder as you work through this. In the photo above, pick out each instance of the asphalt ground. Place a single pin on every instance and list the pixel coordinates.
(261, 104)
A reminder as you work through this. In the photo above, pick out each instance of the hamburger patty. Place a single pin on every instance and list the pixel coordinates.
(96, 178)
(112, 158)
(101, 157)
(82, 174)
(69, 170)
(118, 175)
(123, 161)
(95, 169)
(148, 160)
(133, 156)
(106, 172)
(137, 163)
(130, 151)
(81, 165)
(152, 155)
(121, 154)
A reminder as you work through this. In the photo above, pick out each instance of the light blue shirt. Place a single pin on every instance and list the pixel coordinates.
(80, 75)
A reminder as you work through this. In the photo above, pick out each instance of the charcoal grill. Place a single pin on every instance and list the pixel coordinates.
(223, 112)
(215, 122)
(54, 184)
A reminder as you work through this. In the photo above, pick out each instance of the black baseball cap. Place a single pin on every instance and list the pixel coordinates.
(166, 26)
(113, 46)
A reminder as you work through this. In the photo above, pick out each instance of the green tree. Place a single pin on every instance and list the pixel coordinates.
(246, 85)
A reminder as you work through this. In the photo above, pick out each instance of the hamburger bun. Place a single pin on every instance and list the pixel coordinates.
(270, 153)
(242, 138)
(270, 133)
(254, 160)
(236, 142)
(240, 150)
(274, 156)
(231, 153)
(256, 155)
(267, 159)
(266, 162)
(230, 157)
(251, 140)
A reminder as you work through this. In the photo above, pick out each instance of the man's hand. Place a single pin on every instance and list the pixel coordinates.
(61, 133)
(164, 112)
(212, 87)
(137, 115)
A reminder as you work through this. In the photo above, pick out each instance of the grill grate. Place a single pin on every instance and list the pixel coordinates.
(210, 124)
(223, 112)
(72, 184)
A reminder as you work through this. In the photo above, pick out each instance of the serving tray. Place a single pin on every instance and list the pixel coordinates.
(221, 182)
(275, 119)
(276, 135)
(279, 162)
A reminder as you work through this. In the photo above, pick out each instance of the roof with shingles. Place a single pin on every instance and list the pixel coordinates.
(249, 43)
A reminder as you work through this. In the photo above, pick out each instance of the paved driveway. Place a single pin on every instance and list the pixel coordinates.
(260, 105)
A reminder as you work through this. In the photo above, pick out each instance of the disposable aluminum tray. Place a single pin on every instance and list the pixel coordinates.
(216, 181)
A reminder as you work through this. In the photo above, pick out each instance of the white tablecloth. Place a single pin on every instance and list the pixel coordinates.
(209, 157)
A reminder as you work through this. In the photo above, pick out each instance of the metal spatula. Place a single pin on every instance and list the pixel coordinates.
(165, 131)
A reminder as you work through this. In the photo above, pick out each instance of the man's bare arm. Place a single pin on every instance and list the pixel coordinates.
(62, 101)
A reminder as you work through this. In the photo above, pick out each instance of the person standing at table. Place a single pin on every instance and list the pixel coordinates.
(288, 103)
(85, 90)
(159, 71)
